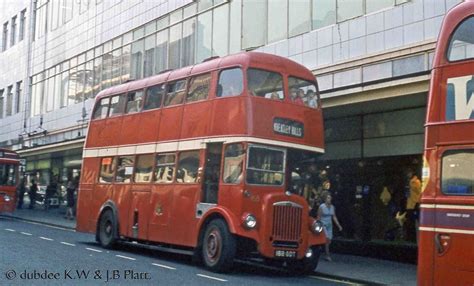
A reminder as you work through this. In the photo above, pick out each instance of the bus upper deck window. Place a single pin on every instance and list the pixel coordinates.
(154, 96)
(230, 82)
(134, 101)
(265, 84)
(101, 108)
(117, 105)
(175, 94)
(198, 88)
(461, 45)
(303, 92)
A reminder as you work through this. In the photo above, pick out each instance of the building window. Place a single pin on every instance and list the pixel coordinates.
(348, 9)
(375, 5)
(253, 24)
(41, 12)
(8, 111)
(299, 17)
(1, 102)
(277, 20)
(18, 91)
(67, 10)
(204, 36)
(324, 13)
(13, 32)
(21, 32)
(5, 36)
(220, 31)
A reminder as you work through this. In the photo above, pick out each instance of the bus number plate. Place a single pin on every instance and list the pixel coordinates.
(285, 253)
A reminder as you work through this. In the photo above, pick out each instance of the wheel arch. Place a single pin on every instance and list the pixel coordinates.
(107, 206)
(212, 214)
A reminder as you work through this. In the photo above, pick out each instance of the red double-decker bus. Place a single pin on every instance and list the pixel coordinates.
(9, 163)
(446, 242)
(203, 159)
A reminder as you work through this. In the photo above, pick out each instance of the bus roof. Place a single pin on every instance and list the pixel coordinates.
(451, 21)
(243, 59)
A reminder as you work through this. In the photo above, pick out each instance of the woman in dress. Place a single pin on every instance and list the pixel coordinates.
(327, 214)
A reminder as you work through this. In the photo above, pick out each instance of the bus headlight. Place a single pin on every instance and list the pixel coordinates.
(7, 198)
(317, 226)
(250, 221)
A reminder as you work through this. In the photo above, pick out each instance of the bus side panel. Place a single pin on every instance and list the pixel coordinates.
(85, 213)
(170, 123)
(160, 211)
(130, 130)
(149, 126)
(122, 198)
(196, 119)
(94, 136)
(183, 218)
(111, 132)
(228, 111)
(426, 251)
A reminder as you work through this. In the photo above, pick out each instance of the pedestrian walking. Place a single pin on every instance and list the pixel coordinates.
(70, 190)
(32, 194)
(21, 193)
(327, 214)
(51, 190)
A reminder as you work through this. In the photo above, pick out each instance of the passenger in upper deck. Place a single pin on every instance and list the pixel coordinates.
(294, 97)
(312, 99)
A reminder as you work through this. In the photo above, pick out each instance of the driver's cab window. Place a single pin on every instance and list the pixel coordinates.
(265, 84)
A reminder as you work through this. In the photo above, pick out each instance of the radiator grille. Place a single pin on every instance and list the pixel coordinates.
(287, 221)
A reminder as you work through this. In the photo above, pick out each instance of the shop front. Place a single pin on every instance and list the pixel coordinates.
(371, 150)
(56, 163)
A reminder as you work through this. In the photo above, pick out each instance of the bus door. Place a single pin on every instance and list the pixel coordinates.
(454, 217)
(212, 167)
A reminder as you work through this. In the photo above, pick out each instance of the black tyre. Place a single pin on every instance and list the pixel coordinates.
(306, 265)
(107, 232)
(218, 247)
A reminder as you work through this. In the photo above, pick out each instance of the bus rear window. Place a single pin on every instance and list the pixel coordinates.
(230, 82)
(461, 45)
(303, 92)
(457, 173)
(265, 84)
(101, 108)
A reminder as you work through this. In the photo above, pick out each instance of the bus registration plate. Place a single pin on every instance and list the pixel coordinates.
(285, 253)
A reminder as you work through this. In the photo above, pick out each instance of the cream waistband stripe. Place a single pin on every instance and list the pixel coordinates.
(171, 146)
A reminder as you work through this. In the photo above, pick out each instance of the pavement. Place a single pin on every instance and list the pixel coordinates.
(363, 270)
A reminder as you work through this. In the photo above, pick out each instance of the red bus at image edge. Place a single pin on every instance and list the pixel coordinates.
(201, 159)
(9, 164)
(446, 232)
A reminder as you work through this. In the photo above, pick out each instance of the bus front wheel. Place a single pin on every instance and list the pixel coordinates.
(218, 246)
(107, 229)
